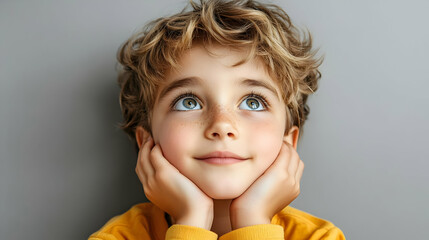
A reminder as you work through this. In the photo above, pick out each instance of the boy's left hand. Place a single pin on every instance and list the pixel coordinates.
(271, 192)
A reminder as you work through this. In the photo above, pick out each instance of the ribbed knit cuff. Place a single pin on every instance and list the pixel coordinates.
(256, 232)
(179, 232)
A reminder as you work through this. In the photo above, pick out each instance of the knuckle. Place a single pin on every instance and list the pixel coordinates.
(145, 188)
(297, 192)
(148, 194)
(152, 154)
(297, 188)
(151, 184)
(140, 161)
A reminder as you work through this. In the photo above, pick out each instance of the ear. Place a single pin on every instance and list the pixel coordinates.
(141, 136)
(292, 136)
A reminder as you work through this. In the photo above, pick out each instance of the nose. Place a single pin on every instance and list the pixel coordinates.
(222, 125)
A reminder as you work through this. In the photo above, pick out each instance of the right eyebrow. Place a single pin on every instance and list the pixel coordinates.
(181, 83)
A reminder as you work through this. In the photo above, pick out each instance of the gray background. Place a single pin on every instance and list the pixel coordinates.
(66, 169)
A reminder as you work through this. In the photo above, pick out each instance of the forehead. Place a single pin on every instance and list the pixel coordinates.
(216, 61)
(217, 54)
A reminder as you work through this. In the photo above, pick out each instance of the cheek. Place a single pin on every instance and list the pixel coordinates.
(175, 140)
(266, 140)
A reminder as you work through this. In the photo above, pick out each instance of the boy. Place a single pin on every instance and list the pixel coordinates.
(214, 98)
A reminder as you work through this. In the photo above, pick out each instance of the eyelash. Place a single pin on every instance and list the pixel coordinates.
(253, 94)
(260, 97)
(184, 95)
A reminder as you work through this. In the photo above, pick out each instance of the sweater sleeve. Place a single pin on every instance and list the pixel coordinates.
(175, 232)
(119, 233)
(179, 232)
(256, 232)
(334, 234)
(276, 232)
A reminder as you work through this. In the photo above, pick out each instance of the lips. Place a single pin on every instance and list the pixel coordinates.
(221, 158)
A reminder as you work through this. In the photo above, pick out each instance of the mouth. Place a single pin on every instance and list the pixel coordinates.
(221, 158)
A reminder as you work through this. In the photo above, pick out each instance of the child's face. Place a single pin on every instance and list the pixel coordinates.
(209, 106)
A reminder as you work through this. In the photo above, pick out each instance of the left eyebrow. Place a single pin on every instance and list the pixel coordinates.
(256, 83)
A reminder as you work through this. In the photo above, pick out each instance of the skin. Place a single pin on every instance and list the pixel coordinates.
(220, 117)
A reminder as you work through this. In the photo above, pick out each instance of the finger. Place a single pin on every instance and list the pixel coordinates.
(299, 171)
(279, 166)
(293, 160)
(144, 159)
(281, 161)
(141, 176)
(157, 158)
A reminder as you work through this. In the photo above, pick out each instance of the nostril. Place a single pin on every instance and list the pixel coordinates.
(222, 135)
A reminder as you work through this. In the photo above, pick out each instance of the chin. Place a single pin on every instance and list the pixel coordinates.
(224, 192)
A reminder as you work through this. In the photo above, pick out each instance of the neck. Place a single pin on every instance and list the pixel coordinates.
(221, 221)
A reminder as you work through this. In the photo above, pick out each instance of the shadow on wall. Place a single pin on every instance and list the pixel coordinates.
(117, 186)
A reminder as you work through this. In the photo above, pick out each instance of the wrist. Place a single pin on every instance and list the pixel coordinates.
(240, 219)
(203, 218)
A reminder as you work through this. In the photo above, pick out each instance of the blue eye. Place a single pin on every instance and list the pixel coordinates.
(186, 104)
(252, 104)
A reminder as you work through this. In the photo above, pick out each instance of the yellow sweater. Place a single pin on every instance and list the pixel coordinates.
(145, 221)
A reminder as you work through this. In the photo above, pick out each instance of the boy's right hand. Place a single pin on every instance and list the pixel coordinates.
(170, 190)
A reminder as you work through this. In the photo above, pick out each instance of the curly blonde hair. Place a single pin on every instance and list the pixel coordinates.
(264, 29)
